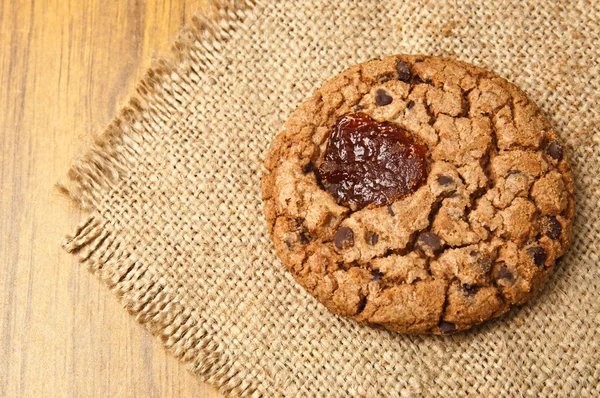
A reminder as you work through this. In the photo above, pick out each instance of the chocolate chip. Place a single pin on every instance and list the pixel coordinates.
(429, 242)
(410, 104)
(382, 98)
(445, 180)
(447, 327)
(418, 60)
(376, 274)
(538, 254)
(506, 274)
(304, 237)
(403, 71)
(470, 289)
(391, 211)
(551, 227)
(344, 238)
(307, 168)
(555, 150)
(372, 238)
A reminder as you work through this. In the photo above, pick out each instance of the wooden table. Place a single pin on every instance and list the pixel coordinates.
(66, 67)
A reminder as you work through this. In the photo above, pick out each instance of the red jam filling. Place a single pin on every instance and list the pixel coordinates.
(371, 163)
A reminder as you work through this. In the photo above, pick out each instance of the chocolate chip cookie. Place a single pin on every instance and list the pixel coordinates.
(421, 194)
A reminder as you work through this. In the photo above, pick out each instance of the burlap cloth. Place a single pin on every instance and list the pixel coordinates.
(176, 227)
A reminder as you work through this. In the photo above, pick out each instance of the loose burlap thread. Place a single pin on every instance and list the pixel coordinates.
(176, 227)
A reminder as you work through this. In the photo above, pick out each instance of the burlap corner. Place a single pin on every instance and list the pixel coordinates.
(176, 228)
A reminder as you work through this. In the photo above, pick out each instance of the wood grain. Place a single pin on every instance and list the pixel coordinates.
(66, 67)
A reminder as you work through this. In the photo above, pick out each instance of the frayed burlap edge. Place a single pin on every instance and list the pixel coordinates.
(111, 157)
(112, 153)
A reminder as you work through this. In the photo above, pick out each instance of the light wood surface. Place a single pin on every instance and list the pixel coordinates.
(66, 67)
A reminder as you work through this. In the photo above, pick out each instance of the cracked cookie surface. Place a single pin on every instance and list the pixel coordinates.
(477, 236)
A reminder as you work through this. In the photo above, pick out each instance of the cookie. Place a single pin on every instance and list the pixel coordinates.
(420, 194)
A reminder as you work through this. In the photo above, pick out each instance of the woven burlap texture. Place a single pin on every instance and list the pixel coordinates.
(176, 227)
